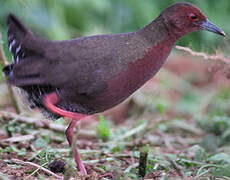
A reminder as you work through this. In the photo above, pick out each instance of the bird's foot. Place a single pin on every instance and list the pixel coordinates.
(80, 165)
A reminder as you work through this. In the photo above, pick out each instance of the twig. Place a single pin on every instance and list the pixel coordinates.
(100, 170)
(176, 167)
(205, 56)
(225, 177)
(42, 123)
(94, 161)
(35, 171)
(82, 151)
(133, 131)
(4, 62)
(130, 167)
(202, 174)
(199, 172)
(18, 161)
(18, 138)
(37, 122)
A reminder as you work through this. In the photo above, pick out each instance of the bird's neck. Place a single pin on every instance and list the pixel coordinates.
(157, 31)
(159, 43)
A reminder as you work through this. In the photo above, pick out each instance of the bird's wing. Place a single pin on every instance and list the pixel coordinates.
(81, 65)
(63, 65)
(87, 64)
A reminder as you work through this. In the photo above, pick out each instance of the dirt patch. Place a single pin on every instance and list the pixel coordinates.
(15, 172)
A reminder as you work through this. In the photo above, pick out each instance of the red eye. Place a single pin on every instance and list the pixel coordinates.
(192, 17)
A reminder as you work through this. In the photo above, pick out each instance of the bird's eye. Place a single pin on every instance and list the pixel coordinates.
(192, 17)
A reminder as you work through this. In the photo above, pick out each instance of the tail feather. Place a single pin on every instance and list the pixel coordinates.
(24, 71)
(15, 24)
(17, 33)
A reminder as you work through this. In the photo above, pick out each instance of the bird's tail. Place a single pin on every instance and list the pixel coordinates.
(24, 71)
(18, 35)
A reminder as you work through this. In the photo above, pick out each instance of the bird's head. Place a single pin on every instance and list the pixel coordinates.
(182, 18)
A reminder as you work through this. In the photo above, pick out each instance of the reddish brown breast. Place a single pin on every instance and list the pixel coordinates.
(138, 72)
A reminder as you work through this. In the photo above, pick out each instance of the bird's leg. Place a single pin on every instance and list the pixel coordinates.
(70, 137)
(50, 101)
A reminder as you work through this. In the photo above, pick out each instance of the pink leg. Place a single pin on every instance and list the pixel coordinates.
(50, 100)
(70, 135)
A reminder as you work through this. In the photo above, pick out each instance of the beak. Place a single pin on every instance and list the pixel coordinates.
(207, 25)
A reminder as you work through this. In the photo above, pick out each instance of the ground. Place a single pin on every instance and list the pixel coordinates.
(176, 127)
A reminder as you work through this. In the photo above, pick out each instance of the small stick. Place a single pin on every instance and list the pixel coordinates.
(4, 62)
(94, 161)
(37, 122)
(203, 55)
(134, 165)
(18, 138)
(133, 131)
(35, 171)
(176, 167)
(42, 123)
(18, 161)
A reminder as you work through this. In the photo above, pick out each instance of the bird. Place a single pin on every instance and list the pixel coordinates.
(80, 77)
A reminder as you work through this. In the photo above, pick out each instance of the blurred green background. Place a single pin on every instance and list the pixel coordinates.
(65, 19)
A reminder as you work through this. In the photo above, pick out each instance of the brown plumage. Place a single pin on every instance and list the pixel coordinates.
(91, 74)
